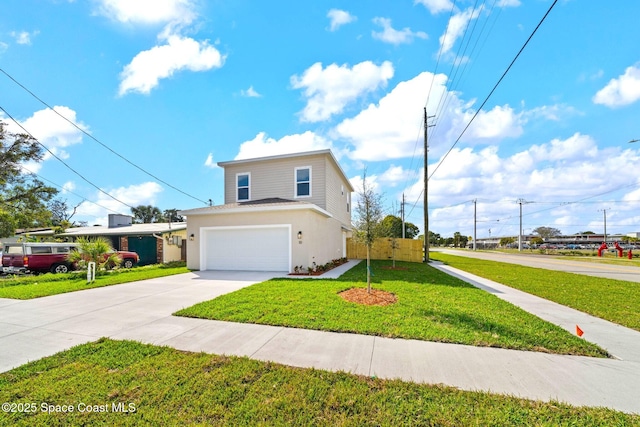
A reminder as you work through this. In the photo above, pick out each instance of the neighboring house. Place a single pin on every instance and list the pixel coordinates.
(155, 243)
(279, 212)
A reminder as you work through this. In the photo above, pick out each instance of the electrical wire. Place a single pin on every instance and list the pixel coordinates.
(63, 162)
(494, 88)
(99, 142)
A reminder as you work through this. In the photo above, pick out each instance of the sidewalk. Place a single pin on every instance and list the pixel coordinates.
(142, 311)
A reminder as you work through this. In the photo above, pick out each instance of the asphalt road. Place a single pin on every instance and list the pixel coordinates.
(611, 271)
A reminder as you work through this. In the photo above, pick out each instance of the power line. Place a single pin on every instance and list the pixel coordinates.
(99, 142)
(62, 161)
(494, 88)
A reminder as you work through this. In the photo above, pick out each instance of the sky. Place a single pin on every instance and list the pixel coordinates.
(159, 91)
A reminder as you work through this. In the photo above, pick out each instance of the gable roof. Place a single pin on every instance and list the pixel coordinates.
(327, 152)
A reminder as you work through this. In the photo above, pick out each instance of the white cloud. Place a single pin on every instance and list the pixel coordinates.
(436, 6)
(393, 36)
(262, 146)
(52, 131)
(392, 128)
(180, 53)
(68, 187)
(250, 93)
(396, 175)
(133, 195)
(210, 163)
(328, 91)
(338, 18)
(553, 176)
(622, 91)
(147, 11)
(23, 37)
(457, 25)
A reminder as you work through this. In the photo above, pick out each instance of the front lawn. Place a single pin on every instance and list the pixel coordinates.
(431, 306)
(614, 300)
(95, 383)
(28, 287)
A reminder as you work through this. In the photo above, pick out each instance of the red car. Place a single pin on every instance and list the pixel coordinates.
(48, 257)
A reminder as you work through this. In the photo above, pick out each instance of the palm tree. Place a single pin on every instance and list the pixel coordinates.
(146, 214)
(96, 250)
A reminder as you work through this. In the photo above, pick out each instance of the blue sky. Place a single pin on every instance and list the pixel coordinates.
(175, 86)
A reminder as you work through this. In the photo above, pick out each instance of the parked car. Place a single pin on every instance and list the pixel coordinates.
(48, 257)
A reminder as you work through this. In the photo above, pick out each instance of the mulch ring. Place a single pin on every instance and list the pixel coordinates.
(361, 296)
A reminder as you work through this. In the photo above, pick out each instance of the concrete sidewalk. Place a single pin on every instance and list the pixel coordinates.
(142, 311)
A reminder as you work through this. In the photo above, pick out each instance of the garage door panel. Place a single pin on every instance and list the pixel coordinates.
(258, 249)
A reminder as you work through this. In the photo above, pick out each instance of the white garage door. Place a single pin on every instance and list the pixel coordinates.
(247, 248)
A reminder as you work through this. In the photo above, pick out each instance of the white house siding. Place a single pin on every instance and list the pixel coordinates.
(321, 236)
(276, 178)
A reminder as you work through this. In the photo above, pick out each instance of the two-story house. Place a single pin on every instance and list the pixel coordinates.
(279, 212)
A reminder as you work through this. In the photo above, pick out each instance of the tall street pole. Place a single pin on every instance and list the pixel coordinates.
(475, 203)
(426, 192)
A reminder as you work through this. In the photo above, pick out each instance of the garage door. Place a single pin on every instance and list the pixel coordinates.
(247, 248)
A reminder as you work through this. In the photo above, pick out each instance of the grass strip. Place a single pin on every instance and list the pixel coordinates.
(163, 386)
(431, 306)
(51, 284)
(614, 300)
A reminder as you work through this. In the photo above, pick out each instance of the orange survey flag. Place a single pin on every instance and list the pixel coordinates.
(579, 331)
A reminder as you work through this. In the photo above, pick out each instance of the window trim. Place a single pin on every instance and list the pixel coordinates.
(295, 182)
(248, 187)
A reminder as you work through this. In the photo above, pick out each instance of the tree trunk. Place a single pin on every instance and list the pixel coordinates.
(368, 271)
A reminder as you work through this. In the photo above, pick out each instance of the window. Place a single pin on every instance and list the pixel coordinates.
(303, 181)
(348, 201)
(41, 250)
(243, 180)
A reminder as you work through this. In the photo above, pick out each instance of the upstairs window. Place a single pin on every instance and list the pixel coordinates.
(303, 181)
(243, 181)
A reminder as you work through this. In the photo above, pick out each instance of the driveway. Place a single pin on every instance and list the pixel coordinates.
(32, 329)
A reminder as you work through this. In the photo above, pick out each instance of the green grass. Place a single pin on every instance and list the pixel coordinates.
(169, 387)
(614, 300)
(432, 306)
(28, 287)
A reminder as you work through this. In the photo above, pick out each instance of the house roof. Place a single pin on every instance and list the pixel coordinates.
(137, 229)
(262, 205)
(326, 152)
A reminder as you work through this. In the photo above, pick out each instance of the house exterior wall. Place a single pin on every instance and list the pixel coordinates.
(170, 251)
(276, 178)
(338, 194)
(321, 236)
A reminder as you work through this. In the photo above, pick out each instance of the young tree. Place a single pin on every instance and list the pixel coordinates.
(369, 214)
(23, 197)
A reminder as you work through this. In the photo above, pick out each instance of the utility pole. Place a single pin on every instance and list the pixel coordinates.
(402, 214)
(475, 204)
(604, 211)
(520, 201)
(426, 187)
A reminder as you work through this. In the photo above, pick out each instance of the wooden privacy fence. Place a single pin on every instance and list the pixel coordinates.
(406, 249)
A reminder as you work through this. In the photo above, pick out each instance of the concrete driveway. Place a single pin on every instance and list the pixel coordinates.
(32, 329)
